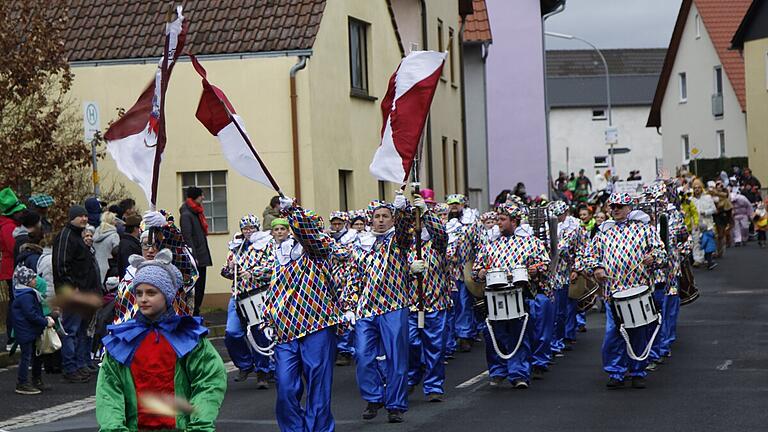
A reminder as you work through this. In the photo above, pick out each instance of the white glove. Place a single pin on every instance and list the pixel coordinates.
(400, 202)
(269, 333)
(349, 317)
(50, 321)
(419, 203)
(286, 202)
(154, 219)
(418, 267)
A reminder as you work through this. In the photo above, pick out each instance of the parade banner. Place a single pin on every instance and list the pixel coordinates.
(136, 141)
(218, 115)
(404, 110)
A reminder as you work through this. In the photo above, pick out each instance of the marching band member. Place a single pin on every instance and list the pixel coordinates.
(571, 242)
(302, 311)
(342, 238)
(511, 249)
(620, 257)
(249, 266)
(427, 345)
(380, 281)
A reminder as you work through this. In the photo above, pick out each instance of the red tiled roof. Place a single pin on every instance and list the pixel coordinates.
(721, 19)
(478, 27)
(124, 29)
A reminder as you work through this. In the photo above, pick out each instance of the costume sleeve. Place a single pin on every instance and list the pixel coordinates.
(226, 271)
(481, 262)
(350, 292)
(404, 221)
(265, 264)
(208, 383)
(579, 249)
(436, 230)
(657, 249)
(593, 255)
(540, 255)
(307, 231)
(110, 397)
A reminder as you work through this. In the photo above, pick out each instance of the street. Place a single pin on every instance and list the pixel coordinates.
(716, 380)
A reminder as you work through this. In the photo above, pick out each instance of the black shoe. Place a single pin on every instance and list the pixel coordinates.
(568, 347)
(668, 354)
(27, 389)
(40, 385)
(395, 416)
(652, 366)
(93, 370)
(537, 373)
(411, 388)
(465, 345)
(711, 266)
(261, 381)
(372, 410)
(638, 382)
(85, 372)
(496, 381)
(582, 330)
(450, 356)
(613, 383)
(343, 359)
(519, 384)
(242, 375)
(75, 378)
(434, 397)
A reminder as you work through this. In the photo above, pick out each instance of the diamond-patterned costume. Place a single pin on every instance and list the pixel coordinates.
(508, 252)
(572, 243)
(437, 282)
(255, 258)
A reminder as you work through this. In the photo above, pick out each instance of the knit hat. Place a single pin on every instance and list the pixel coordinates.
(41, 200)
(377, 204)
(358, 215)
(279, 221)
(558, 208)
(441, 209)
(249, 220)
(510, 210)
(344, 216)
(23, 275)
(620, 199)
(159, 273)
(9, 202)
(77, 211)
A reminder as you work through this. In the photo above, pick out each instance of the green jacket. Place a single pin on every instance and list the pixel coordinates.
(200, 378)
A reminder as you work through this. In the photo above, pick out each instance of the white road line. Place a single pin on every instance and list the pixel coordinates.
(472, 381)
(724, 365)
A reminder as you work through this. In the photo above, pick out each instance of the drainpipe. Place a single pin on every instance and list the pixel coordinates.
(560, 7)
(463, 94)
(300, 64)
(428, 130)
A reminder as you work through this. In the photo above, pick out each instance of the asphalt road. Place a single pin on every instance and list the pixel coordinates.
(716, 380)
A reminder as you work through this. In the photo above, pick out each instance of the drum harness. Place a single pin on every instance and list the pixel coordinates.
(265, 351)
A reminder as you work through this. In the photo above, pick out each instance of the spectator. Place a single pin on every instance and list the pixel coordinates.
(130, 243)
(74, 266)
(128, 206)
(93, 206)
(40, 204)
(583, 187)
(723, 216)
(194, 228)
(105, 240)
(10, 206)
(761, 222)
(272, 212)
(705, 206)
(601, 182)
(520, 193)
(502, 197)
(587, 221)
(44, 265)
(29, 227)
(750, 186)
(742, 215)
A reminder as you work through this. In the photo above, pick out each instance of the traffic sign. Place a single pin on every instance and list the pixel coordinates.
(611, 135)
(91, 120)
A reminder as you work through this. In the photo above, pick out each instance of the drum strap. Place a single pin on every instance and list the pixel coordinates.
(519, 340)
(647, 351)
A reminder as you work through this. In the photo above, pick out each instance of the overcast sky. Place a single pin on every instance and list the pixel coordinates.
(614, 23)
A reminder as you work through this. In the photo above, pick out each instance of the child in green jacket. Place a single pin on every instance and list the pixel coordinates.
(158, 354)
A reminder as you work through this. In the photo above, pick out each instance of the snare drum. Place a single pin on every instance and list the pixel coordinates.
(507, 304)
(250, 305)
(634, 307)
(496, 279)
(520, 276)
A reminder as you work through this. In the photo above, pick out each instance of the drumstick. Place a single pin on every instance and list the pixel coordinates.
(165, 404)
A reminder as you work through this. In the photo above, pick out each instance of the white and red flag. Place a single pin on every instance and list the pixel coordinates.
(137, 139)
(218, 115)
(405, 108)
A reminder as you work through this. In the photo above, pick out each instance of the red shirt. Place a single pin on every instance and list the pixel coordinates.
(153, 369)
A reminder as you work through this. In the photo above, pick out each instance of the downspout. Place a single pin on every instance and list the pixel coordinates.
(300, 64)
(428, 131)
(487, 185)
(463, 107)
(560, 8)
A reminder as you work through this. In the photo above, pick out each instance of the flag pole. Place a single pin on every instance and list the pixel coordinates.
(416, 185)
(160, 144)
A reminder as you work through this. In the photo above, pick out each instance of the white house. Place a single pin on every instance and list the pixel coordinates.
(578, 116)
(699, 103)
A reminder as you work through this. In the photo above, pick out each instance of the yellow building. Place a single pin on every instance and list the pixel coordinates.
(752, 39)
(348, 50)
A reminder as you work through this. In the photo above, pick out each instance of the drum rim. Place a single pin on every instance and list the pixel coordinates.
(632, 293)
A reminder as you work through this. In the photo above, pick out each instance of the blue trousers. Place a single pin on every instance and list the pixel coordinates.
(572, 316)
(670, 313)
(450, 325)
(75, 346)
(561, 317)
(658, 299)
(310, 359)
(507, 334)
(240, 351)
(28, 356)
(345, 343)
(427, 347)
(390, 333)
(616, 362)
(543, 321)
(466, 325)
(581, 317)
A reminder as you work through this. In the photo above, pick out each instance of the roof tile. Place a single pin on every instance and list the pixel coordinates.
(478, 27)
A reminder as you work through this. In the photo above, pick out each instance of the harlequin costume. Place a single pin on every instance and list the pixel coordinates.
(381, 283)
(254, 256)
(619, 249)
(342, 242)
(302, 310)
(427, 345)
(168, 356)
(507, 252)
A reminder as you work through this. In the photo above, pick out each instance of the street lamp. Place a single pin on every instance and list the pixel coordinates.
(607, 80)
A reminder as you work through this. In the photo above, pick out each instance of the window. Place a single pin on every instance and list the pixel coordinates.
(718, 80)
(698, 26)
(345, 184)
(358, 56)
(382, 190)
(720, 137)
(601, 162)
(214, 186)
(440, 47)
(686, 148)
(683, 85)
(446, 166)
(450, 56)
(598, 114)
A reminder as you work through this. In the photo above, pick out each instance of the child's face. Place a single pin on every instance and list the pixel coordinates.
(151, 301)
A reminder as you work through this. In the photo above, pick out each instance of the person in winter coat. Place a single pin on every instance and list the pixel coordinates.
(10, 206)
(93, 207)
(40, 203)
(706, 208)
(159, 353)
(105, 240)
(29, 229)
(130, 243)
(28, 324)
(271, 212)
(194, 229)
(742, 215)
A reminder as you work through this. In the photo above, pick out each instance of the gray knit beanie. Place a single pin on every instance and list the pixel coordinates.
(159, 273)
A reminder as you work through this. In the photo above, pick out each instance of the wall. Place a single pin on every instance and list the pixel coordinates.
(585, 138)
(697, 58)
(516, 115)
(477, 132)
(756, 59)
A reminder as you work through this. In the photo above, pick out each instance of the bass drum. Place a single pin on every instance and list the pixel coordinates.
(688, 292)
(477, 289)
(585, 291)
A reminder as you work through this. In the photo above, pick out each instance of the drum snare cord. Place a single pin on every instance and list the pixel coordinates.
(519, 340)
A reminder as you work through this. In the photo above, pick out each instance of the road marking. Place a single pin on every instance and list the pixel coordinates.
(472, 381)
(724, 365)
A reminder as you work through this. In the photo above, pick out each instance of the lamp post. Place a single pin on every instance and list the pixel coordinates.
(607, 81)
